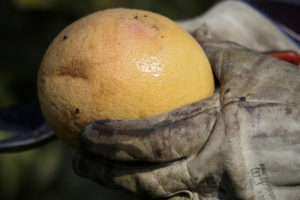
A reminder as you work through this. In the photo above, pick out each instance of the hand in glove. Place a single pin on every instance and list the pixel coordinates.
(240, 143)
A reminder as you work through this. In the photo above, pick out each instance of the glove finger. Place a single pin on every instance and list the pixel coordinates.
(246, 73)
(162, 138)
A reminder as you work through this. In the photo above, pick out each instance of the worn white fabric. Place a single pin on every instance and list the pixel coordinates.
(238, 22)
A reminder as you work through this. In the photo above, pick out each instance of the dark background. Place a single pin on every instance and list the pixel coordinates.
(26, 29)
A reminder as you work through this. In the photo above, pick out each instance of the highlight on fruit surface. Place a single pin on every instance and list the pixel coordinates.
(119, 64)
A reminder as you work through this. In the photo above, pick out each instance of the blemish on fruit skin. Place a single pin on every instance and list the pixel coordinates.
(155, 27)
(65, 37)
(77, 111)
(162, 36)
(136, 17)
(72, 69)
(145, 15)
(43, 79)
(138, 29)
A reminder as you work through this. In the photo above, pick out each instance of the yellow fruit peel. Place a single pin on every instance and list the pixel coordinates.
(119, 64)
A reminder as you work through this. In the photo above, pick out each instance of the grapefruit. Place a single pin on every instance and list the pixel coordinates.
(119, 64)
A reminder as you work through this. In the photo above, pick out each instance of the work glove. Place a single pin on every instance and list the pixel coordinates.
(238, 22)
(240, 143)
(243, 142)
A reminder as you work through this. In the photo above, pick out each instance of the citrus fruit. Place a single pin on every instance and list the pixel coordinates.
(119, 64)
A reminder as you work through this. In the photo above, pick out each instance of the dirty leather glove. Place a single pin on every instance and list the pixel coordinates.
(238, 22)
(243, 142)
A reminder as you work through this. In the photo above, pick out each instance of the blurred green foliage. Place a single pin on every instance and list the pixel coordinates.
(26, 29)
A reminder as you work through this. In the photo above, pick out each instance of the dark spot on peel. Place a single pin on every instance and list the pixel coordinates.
(136, 17)
(155, 27)
(162, 36)
(145, 15)
(243, 99)
(65, 37)
(77, 111)
(42, 80)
